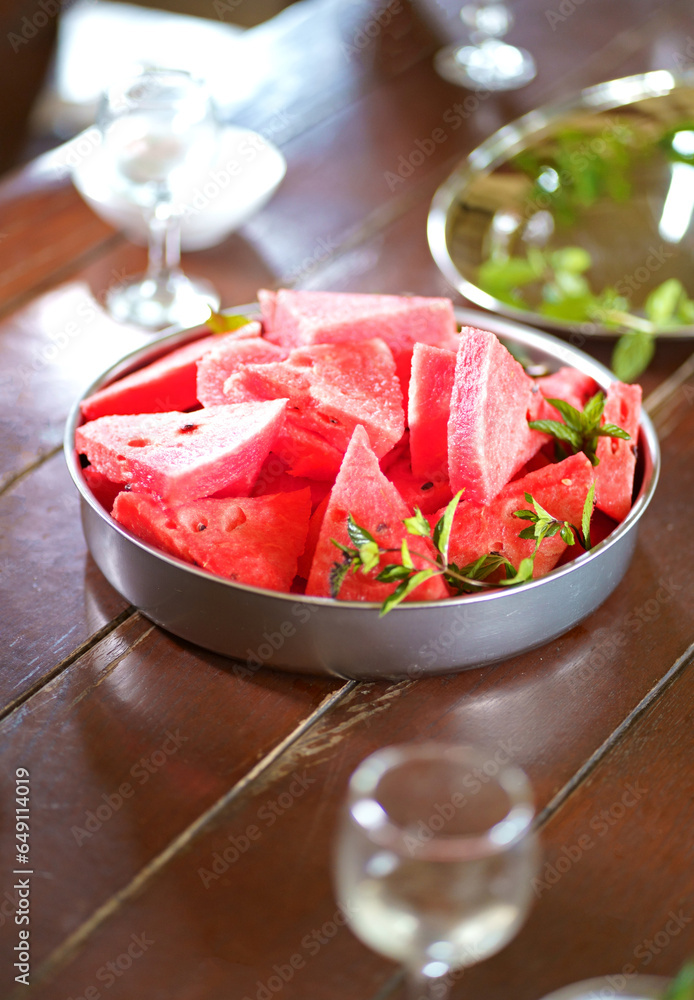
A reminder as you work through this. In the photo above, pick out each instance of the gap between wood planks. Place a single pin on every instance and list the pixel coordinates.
(75, 941)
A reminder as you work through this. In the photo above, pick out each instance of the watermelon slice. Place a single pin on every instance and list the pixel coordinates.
(227, 357)
(331, 388)
(255, 540)
(165, 385)
(568, 384)
(293, 318)
(361, 489)
(488, 434)
(103, 488)
(429, 407)
(614, 482)
(184, 456)
(561, 489)
(418, 491)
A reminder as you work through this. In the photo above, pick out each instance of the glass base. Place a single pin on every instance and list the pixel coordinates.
(173, 300)
(493, 65)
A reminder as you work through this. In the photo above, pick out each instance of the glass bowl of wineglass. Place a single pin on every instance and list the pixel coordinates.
(435, 856)
(160, 133)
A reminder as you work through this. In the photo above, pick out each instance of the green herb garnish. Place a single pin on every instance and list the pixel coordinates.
(364, 555)
(221, 323)
(682, 986)
(581, 429)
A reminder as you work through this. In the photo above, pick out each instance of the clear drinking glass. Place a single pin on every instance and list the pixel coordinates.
(160, 132)
(434, 858)
(488, 62)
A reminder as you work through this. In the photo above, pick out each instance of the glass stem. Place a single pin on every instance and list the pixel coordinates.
(164, 255)
(421, 987)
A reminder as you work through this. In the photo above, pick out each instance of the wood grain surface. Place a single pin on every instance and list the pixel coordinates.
(183, 813)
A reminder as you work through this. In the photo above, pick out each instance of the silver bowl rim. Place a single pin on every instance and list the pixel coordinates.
(563, 353)
(507, 140)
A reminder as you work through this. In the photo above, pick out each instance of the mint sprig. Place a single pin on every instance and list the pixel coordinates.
(581, 429)
(365, 554)
(682, 986)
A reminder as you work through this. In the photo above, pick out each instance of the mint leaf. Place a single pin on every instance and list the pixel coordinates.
(336, 576)
(418, 525)
(442, 531)
(403, 589)
(682, 986)
(587, 515)
(661, 305)
(221, 323)
(392, 572)
(557, 430)
(357, 535)
(572, 417)
(632, 354)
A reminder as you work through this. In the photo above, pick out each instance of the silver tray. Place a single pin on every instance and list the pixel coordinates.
(348, 639)
(629, 987)
(623, 238)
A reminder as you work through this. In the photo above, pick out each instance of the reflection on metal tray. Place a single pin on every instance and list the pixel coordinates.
(542, 182)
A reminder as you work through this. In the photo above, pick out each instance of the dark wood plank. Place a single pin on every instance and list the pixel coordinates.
(54, 599)
(551, 710)
(146, 734)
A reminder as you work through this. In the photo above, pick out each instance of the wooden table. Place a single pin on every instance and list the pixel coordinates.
(181, 815)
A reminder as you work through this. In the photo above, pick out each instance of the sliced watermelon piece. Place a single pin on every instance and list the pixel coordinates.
(488, 434)
(429, 408)
(560, 488)
(274, 478)
(293, 318)
(254, 540)
(184, 456)
(331, 388)
(227, 357)
(418, 491)
(361, 489)
(314, 529)
(614, 483)
(165, 385)
(104, 489)
(568, 384)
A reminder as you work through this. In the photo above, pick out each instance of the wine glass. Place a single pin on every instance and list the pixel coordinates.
(160, 134)
(488, 63)
(435, 855)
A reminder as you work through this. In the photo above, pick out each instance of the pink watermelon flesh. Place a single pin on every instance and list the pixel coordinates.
(331, 388)
(418, 491)
(429, 408)
(103, 488)
(254, 540)
(561, 489)
(488, 434)
(295, 318)
(184, 456)
(568, 384)
(274, 478)
(227, 357)
(165, 385)
(362, 490)
(614, 482)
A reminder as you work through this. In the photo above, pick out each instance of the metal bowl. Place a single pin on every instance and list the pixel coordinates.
(348, 639)
(630, 987)
(634, 244)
